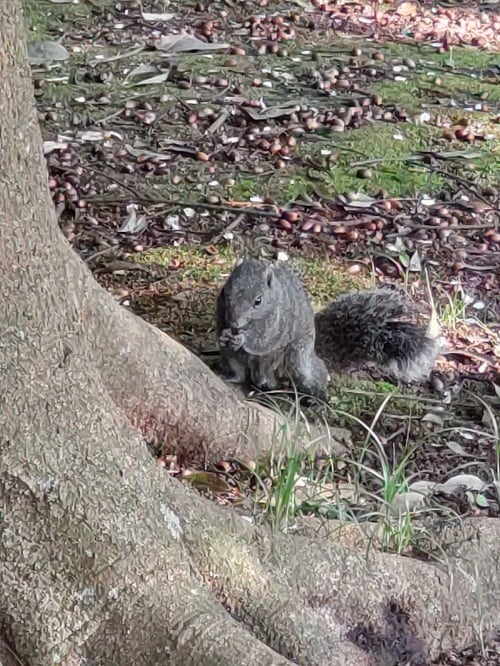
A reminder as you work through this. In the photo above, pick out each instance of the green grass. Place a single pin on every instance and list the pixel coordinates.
(36, 21)
(392, 144)
(291, 484)
(458, 57)
(384, 149)
(421, 90)
(454, 312)
(43, 17)
(327, 279)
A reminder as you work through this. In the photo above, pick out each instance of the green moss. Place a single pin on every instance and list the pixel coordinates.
(423, 54)
(197, 262)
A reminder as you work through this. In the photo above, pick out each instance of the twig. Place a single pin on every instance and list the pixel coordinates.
(396, 396)
(459, 227)
(187, 204)
(469, 267)
(237, 220)
(467, 184)
(99, 253)
(109, 117)
(218, 122)
(119, 56)
(113, 179)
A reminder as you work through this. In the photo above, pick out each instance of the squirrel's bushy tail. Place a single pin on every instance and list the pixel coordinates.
(376, 328)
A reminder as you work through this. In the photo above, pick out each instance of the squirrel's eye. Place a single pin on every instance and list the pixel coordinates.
(258, 301)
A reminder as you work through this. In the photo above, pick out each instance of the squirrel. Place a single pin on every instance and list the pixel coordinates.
(268, 332)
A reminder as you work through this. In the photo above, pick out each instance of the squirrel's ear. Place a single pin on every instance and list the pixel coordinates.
(239, 261)
(269, 275)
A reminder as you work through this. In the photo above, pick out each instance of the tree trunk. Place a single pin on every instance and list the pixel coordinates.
(105, 558)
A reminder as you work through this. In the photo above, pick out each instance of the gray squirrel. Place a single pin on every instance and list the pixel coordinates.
(268, 332)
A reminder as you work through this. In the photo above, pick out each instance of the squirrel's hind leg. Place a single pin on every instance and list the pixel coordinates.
(234, 366)
(263, 373)
(308, 371)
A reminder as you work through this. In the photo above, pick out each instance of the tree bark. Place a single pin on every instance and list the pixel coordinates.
(103, 556)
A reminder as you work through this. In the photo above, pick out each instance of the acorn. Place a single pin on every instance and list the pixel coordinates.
(307, 225)
(284, 224)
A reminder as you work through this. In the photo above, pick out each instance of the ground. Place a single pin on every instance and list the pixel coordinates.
(359, 142)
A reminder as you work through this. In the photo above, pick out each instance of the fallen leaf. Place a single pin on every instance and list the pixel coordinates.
(134, 224)
(157, 17)
(207, 481)
(456, 448)
(423, 487)
(269, 113)
(461, 482)
(482, 502)
(182, 43)
(142, 70)
(415, 264)
(433, 417)
(409, 501)
(174, 146)
(358, 200)
(152, 80)
(51, 146)
(42, 52)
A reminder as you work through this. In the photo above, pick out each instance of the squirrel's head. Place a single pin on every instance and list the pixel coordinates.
(250, 293)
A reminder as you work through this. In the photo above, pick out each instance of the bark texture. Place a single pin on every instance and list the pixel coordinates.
(106, 559)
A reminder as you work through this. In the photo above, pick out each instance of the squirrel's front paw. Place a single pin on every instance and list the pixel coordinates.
(231, 340)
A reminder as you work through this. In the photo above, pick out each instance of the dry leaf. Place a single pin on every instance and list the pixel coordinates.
(157, 17)
(409, 501)
(207, 481)
(183, 43)
(42, 52)
(134, 224)
(51, 146)
(462, 482)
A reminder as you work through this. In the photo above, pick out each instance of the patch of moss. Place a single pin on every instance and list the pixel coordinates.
(385, 149)
(465, 57)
